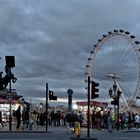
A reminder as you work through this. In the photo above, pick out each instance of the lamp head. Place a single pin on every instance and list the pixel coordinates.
(119, 93)
(110, 92)
(114, 87)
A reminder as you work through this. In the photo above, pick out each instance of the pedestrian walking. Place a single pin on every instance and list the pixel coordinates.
(122, 119)
(109, 121)
(129, 121)
(33, 121)
(1, 123)
(26, 117)
(93, 119)
(18, 118)
(137, 121)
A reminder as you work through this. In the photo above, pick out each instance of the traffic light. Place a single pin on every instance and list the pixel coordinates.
(94, 90)
(51, 96)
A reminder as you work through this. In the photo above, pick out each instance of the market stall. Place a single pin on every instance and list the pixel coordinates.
(94, 107)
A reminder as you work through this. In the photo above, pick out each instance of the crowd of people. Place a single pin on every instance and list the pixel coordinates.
(107, 120)
(56, 118)
(28, 120)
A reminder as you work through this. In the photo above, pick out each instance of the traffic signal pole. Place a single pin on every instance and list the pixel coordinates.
(46, 106)
(92, 89)
(88, 111)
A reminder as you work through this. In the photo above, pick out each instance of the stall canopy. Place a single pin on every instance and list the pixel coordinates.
(4, 97)
(5, 101)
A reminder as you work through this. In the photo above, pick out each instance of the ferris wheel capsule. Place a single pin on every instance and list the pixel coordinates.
(115, 31)
(121, 31)
(137, 42)
(127, 33)
(132, 36)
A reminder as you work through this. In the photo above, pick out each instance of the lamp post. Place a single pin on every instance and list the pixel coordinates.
(70, 92)
(10, 98)
(115, 96)
(111, 94)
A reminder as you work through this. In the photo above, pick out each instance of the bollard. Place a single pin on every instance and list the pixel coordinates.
(77, 129)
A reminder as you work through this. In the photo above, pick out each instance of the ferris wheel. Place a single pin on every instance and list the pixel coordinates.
(116, 56)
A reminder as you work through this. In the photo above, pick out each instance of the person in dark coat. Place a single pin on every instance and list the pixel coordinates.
(18, 117)
(26, 117)
(129, 121)
(93, 119)
(1, 119)
(109, 121)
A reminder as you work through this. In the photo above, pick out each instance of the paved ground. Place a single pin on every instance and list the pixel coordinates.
(61, 132)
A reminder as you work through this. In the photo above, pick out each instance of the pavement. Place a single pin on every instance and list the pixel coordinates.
(62, 130)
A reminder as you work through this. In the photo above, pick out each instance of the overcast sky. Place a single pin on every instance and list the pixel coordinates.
(52, 39)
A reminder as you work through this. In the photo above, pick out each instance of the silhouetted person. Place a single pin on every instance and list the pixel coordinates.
(1, 119)
(1, 82)
(93, 119)
(18, 117)
(129, 120)
(42, 119)
(109, 121)
(52, 118)
(26, 117)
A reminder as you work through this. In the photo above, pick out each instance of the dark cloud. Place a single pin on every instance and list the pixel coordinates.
(52, 39)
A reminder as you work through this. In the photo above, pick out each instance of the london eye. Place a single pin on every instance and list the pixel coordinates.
(116, 55)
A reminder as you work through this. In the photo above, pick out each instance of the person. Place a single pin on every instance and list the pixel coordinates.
(122, 119)
(0, 117)
(33, 120)
(52, 118)
(109, 121)
(26, 117)
(18, 118)
(1, 81)
(69, 120)
(81, 118)
(129, 121)
(99, 120)
(2, 125)
(93, 119)
(137, 121)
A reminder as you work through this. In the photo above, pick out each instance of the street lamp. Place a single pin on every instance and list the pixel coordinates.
(118, 117)
(70, 92)
(111, 93)
(9, 97)
(114, 89)
(115, 96)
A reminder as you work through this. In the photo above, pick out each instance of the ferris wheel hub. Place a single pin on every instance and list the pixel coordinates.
(114, 76)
